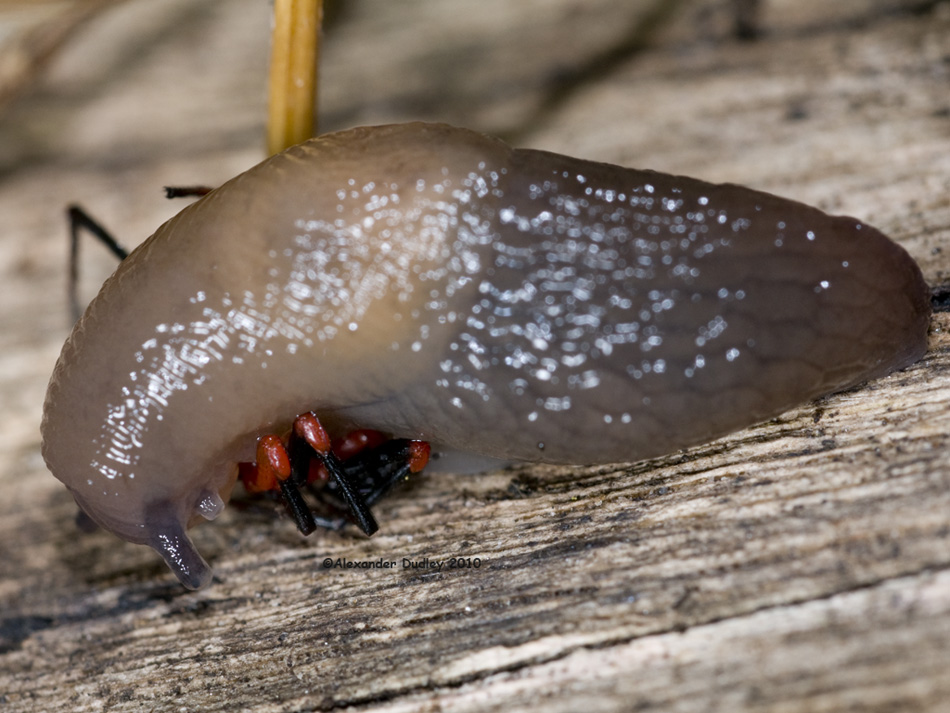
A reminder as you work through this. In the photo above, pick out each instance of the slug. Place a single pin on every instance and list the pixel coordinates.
(434, 283)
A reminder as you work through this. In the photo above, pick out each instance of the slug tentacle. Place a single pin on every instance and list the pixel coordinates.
(167, 537)
(437, 285)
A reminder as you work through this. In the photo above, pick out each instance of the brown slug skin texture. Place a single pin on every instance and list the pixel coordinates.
(433, 283)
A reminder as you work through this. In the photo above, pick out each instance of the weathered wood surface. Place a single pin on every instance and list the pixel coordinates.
(800, 565)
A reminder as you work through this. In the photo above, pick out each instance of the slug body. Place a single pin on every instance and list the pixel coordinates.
(436, 284)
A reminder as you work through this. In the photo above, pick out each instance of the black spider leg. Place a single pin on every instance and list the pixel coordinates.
(187, 191)
(379, 469)
(376, 471)
(300, 455)
(79, 219)
(351, 495)
(296, 505)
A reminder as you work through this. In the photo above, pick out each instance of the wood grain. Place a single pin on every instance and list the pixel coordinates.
(800, 565)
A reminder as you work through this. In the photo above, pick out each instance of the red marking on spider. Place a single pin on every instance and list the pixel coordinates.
(361, 468)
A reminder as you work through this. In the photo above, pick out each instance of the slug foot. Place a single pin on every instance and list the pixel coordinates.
(353, 473)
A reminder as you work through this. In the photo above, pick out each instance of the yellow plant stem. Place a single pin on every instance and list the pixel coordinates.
(293, 73)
